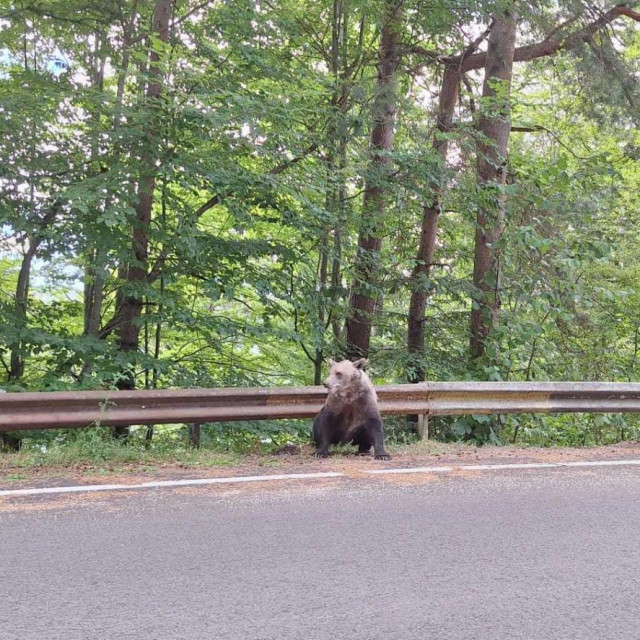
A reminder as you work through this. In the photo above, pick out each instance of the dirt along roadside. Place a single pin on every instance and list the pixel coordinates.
(15, 475)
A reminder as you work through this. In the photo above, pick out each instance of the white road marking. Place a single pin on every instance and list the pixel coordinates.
(43, 490)
(600, 463)
(413, 470)
(304, 476)
(515, 465)
(168, 483)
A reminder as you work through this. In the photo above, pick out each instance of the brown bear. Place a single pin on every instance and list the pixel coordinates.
(350, 413)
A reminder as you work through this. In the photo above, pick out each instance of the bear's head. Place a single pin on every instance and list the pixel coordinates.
(347, 379)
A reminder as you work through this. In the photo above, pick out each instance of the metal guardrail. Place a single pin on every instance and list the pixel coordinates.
(50, 410)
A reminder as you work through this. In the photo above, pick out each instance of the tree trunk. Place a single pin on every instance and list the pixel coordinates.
(431, 212)
(21, 305)
(94, 293)
(322, 287)
(336, 261)
(93, 299)
(16, 363)
(11, 440)
(363, 293)
(494, 128)
(134, 276)
(95, 256)
(343, 69)
(549, 46)
(20, 319)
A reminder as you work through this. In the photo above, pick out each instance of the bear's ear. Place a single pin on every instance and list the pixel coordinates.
(360, 364)
(331, 362)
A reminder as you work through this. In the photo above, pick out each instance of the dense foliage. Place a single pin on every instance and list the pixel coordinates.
(212, 193)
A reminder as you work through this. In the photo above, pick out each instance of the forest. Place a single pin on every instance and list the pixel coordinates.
(230, 192)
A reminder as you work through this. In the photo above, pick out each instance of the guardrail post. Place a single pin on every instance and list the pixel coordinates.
(423, 426)
(194, 435)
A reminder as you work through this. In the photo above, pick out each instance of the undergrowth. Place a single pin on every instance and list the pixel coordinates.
(225, 444)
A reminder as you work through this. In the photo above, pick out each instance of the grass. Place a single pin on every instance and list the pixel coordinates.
(104, 457)
(94, 450)
(16, 477)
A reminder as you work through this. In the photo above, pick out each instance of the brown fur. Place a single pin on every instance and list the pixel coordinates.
(350, 413)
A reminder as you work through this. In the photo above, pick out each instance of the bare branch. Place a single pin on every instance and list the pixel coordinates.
(551, 45)
(215, 200)
(537, 127)
(473, 46)
(547, 47)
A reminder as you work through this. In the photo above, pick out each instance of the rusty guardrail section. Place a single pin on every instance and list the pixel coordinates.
(49, 410)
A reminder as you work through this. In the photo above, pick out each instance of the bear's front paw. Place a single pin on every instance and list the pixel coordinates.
(382, 456)
(321, 454)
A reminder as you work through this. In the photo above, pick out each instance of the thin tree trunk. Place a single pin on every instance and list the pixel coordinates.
(16, 362)
(21, 303)
(11, 440)
(94, 294)
(340, 102)
(342, 70)
(8, 439)
(93, 300)
(494, 128)
(125, 60)
(20, 320)
(157, 340)
(363, 293)
(16, 359)
(429, 230)
(96, 271)
(95, 256)
(322, 286)
(330, 198)
(336, 260)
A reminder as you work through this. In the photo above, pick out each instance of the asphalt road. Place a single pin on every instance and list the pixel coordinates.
(499, 555)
